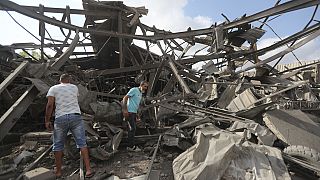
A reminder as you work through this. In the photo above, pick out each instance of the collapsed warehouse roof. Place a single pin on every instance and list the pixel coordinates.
(245, 119)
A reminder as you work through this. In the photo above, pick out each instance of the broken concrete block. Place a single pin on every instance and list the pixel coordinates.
(39, 174)
(29, 145)
(21, 156)
(6, 168)
(243, 101)
(293, 127)
(36, 136)
(210, 68)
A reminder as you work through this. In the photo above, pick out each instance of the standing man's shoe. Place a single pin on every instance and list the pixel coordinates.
(134, 149)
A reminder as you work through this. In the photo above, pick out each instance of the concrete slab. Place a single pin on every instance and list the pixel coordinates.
(293, 127)
(24, 154)
(39, 174)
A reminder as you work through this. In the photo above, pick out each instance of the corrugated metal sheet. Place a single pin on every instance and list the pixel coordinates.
(242, 101)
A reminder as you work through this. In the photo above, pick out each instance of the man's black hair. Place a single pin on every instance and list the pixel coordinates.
(65, 77)
(143, 82)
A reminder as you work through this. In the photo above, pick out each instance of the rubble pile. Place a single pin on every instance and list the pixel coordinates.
(235, 117)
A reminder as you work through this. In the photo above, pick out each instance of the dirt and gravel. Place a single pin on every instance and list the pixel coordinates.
(123, 164)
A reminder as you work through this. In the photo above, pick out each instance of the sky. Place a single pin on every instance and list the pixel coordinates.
(178, 15)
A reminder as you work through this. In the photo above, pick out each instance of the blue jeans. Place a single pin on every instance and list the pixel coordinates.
(132, 128)
(65, 123)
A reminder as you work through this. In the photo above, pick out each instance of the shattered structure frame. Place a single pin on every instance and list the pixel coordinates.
(224, 90)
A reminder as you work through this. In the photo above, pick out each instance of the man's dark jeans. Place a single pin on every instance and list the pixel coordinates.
(132, 128)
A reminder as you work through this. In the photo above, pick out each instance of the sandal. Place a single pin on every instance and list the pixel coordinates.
(89, 175)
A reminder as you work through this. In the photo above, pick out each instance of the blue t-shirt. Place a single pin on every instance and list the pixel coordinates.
(134, 99)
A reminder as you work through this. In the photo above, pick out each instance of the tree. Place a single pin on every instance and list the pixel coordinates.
(35, 54)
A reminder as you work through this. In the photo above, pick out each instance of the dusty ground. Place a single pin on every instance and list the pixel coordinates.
(123, 164)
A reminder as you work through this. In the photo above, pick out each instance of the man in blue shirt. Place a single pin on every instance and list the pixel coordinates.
(131, 103)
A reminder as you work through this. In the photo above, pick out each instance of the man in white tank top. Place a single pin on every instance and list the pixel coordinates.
(63, 98)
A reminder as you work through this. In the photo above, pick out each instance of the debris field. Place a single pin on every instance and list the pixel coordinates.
(236, 116)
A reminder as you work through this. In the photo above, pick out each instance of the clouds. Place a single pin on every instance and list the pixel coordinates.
(165, 14)
(13, 33)
(170, 15)
(308, 52)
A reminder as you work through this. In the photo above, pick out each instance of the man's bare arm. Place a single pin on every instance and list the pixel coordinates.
(124, 106)
(49, 111)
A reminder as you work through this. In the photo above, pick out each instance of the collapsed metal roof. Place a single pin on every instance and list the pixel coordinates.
(222, 92)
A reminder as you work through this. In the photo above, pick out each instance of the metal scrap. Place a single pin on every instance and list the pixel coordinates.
(225, 106)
